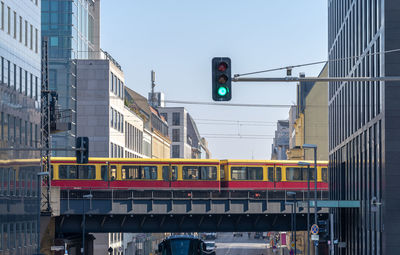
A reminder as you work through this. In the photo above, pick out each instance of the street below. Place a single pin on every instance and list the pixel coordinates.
(229, 245)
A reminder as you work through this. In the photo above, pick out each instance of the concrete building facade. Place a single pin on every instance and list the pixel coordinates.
(113, 129)
(185, 137)
(20, 93)
(364, 134)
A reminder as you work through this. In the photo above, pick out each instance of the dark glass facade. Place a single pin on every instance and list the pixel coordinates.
(364, 133)
(20, 75)
(72, 30)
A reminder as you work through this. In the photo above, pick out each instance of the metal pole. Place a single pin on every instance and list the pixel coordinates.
(332, 237)
(295, 227)
(314, 79)
(308, 209)
(315, 193)
(38, 213)
(83, 228)
(291, 227)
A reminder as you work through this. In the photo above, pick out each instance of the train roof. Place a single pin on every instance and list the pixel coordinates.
(272, 161)
(100, 159)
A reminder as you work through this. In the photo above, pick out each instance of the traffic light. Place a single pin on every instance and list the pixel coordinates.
(323, 230)
(221, 79)
(82, 150)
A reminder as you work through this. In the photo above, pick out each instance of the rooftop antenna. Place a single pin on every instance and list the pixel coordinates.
(153, 84)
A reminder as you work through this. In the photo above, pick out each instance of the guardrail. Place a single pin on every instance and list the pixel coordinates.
(195, 194)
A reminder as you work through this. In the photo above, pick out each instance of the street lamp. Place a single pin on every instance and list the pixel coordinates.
(314, 147)
(39, 197)
(308, 202)
(89, 196)
(294, 208)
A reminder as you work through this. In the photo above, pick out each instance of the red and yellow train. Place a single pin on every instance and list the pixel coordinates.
(124, 173)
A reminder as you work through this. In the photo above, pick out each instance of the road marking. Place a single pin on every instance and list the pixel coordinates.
(227, 252)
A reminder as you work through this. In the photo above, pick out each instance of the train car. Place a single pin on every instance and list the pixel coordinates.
(128, 173)
(271, 175)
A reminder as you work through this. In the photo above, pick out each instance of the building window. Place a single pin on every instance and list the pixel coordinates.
(111, 81)
(20, 80)
(20, 29)
(15, 25)
(176, 119)
(36, 40)
(2, 16)
(31, 38)
(15, 77)
(175, 135)
(8, 20)
(26, 33)
(175, 151)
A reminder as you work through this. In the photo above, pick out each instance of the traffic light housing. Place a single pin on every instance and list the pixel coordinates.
(221, 79)
(323, 230)
(82, 150)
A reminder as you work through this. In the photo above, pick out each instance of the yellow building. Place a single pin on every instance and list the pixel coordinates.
(310, 123)
(160, 142)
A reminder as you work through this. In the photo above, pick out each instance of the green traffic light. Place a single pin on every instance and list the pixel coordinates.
(222, 91)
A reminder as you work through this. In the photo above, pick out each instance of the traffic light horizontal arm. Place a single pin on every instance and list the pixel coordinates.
(314, 79)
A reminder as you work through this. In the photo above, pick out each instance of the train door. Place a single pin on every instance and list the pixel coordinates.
(108, 173)
(271, 174)
(170, 174)
(278, 176)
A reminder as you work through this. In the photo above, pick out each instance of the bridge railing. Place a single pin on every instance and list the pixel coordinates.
(194, 194)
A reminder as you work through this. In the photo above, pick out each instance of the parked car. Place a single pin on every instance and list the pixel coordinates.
(210, 247)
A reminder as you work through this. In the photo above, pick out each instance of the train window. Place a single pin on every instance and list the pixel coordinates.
(324, 174)
(165, 172)
(239, 173)
(190, 173)
(278, 176)
(247, 173)
(104, 173)
(208, 173)
(222, 173)
(76, 172)
(149, 172)
(312, 174)
(139, 172)
(270, 174)
(255, 173)
(113, 173)
(294, 174)
(86, 172)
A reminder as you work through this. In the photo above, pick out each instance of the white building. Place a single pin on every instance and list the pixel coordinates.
(113, 129)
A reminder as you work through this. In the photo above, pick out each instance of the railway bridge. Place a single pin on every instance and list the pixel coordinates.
(175, 210)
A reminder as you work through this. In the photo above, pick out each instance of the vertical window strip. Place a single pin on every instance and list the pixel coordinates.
(15, 25)
(20, 29)
(2, 16)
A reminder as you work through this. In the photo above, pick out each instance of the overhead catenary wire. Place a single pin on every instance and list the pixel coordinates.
(315, 63)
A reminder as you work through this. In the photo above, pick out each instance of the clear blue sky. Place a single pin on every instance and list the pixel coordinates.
(178, 38)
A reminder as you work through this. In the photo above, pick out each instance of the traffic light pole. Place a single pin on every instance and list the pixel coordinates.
(237, 78)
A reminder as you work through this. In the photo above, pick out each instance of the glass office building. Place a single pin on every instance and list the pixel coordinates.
(364, 133)
(20, 76)
(72, 28)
